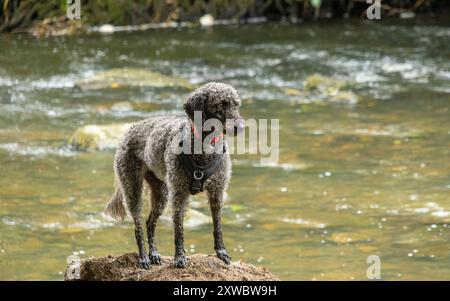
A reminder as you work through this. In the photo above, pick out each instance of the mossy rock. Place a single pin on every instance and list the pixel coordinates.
(292, 91)
(98, 137)
(323, 84)
(131, 77)
(320, 89)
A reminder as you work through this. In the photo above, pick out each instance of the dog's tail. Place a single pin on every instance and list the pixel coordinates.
(116, 207)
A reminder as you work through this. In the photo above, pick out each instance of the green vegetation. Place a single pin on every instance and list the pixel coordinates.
(21, 14)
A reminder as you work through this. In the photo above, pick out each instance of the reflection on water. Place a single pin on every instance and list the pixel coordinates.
(353, 180)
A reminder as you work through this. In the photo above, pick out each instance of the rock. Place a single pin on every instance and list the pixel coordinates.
(206, 20)
(131, 77)
(292, 91)
(200, 267)
(323, 84)
(98, 137)
(106, 28)
(321, 88)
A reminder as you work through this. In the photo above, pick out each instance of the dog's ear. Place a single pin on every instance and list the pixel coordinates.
(187, 106)
(195, 102)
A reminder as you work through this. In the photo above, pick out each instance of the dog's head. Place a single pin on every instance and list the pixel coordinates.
(219, 101)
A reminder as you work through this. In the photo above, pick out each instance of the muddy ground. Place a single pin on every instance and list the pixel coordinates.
(200, 267)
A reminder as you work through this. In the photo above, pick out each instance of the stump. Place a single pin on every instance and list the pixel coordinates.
(200, 267)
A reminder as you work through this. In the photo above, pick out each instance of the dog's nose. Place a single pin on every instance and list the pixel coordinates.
(239, 126)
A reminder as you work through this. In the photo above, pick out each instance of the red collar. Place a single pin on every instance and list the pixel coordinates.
(198, 135)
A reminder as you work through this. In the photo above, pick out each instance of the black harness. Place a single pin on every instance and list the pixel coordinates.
(198, 174)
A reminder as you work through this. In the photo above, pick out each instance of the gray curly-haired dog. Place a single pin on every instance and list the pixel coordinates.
(150, 151)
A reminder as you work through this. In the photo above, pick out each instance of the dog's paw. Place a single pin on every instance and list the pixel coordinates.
(155, 258)
(180, 261)
(223, 255)
(144, 263)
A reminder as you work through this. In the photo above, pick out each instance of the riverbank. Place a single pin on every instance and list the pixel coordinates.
(200, 267)
(49, 18)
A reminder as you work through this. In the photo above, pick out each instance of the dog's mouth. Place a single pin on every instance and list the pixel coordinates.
(231, 127)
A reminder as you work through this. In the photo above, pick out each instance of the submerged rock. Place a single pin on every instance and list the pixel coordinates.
(98, 137)
(200, 267)
(292, 91)
(131, 77)
(321, 89)
(324, 84)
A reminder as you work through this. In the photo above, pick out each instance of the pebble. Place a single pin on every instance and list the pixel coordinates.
(106, 28)
(206, 20)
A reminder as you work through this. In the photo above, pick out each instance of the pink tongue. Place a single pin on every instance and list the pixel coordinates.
(216, 139)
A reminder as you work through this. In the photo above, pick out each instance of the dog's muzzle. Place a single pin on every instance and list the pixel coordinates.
(239, 126)
(236, 127)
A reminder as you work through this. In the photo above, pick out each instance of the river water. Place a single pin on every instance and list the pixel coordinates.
(352, 180)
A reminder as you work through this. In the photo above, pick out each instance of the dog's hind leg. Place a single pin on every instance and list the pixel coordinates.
(159, 201)
(129, 170)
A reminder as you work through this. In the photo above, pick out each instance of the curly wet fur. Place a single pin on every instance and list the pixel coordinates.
(148, 153)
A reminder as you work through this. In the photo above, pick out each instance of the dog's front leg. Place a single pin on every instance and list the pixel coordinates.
(215, 199)
(179, 206)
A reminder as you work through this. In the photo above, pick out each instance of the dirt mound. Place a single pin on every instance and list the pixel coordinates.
(200, 267)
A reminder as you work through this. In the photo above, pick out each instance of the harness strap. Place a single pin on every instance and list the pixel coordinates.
(198, 174)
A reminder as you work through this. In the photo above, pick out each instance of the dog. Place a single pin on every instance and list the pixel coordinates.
(150, 152)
